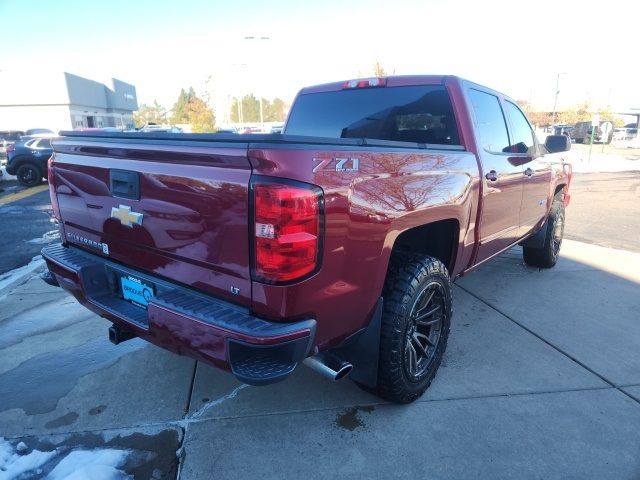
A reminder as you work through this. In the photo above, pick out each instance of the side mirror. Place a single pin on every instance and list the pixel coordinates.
(557, 143)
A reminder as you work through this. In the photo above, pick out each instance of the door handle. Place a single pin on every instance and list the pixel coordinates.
(492, 175)
(528, 172)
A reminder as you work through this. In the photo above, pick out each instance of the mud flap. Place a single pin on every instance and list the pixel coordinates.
(364, 352)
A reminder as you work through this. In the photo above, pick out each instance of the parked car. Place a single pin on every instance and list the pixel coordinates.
(155, 128)
(27, 159)
(8, 137)
(624, 134)
(334, 244)
(38, 131)
(99, 129)
(581, 133)
(561, 129)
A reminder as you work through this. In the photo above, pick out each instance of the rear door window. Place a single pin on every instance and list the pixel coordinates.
(490, 122)
(417, 114)
(44, 143)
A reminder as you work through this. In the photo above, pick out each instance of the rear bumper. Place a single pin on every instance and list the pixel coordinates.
(184, 321)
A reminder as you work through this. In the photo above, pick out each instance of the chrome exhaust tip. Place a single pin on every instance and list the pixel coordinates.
(329, 365)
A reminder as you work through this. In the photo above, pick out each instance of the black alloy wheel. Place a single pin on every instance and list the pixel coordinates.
(558, 233)
(29, 175)
(423, 331)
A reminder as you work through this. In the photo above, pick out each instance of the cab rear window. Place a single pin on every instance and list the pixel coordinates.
(417, 114)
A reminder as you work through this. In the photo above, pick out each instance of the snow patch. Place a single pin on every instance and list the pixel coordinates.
(48, 237)
(99, 464)
(96, 464)
(16, 274)
(13, 464)
(5, 176)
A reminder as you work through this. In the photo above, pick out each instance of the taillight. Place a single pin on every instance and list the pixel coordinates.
(52, 189)
(365, 83)
(10, 148)
(287, 230)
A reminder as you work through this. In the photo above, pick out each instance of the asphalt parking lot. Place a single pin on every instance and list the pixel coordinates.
(541, 379)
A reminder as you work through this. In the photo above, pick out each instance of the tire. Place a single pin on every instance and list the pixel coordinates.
(547, 256)
(578, 140)
(29, 174)
(410, 353)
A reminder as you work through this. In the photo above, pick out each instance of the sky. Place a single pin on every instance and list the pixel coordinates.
(519, 48)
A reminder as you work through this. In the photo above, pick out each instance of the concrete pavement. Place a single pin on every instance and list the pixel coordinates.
(605, 210)
(541, 379)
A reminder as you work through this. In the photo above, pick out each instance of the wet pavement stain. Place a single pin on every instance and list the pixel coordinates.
(62, 421)
(350, 420)
(97, 410)
(37, 384)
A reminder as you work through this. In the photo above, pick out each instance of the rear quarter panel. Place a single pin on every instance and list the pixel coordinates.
(365, 211)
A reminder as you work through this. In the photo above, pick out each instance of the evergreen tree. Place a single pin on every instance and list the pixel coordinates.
(180, 107)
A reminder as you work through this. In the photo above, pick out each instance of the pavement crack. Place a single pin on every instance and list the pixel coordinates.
(183, 424)
(198, 413)
(181, 450)
(547, 342)
(191, 386)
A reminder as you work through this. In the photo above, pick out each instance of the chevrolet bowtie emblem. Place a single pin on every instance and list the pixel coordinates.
(126, 216)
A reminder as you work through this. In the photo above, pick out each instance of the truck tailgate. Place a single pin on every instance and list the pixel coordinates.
(175, 209)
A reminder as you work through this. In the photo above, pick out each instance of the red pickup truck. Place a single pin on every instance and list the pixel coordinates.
(333, 244)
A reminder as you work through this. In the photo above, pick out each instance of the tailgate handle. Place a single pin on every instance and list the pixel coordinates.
(124, 184)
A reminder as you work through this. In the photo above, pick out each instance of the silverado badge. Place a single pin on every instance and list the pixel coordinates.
(126, 216)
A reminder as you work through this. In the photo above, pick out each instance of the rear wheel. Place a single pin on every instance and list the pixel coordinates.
(547, 256)
(29, 175)
(415, 326)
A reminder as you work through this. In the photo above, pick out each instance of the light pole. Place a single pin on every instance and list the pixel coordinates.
(240, 77)
(259, 96)
(555, 100)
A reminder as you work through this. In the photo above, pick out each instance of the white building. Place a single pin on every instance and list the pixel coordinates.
(63, 101)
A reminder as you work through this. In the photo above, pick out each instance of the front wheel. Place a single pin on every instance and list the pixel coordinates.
(415, 326)
(29, 175)
(547, 256)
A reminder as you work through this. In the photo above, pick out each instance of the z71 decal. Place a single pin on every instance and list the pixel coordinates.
(336, 164)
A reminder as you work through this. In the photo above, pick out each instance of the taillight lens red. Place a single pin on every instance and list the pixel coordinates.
(10, 148)
(52, 189)
(287, 236)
